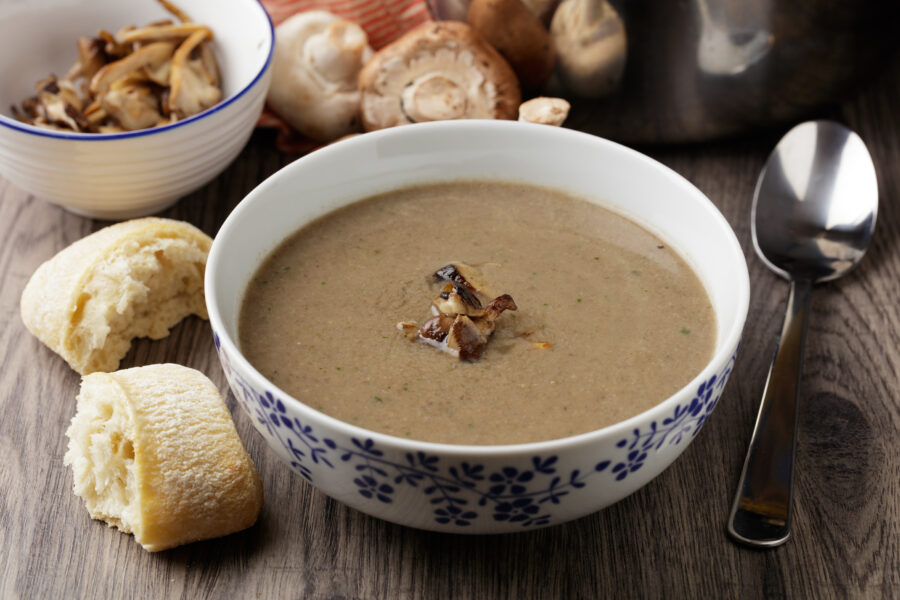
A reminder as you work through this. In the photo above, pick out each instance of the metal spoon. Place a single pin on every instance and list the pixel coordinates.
(813, 215)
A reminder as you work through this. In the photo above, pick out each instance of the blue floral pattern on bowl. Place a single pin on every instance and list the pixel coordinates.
(462, 493)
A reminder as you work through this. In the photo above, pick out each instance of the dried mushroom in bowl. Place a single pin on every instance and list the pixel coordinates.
(137, 78)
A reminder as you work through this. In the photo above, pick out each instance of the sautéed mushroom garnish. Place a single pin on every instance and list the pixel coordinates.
(462, 324)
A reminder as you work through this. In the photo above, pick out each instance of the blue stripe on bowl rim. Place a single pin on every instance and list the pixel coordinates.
(97, 137)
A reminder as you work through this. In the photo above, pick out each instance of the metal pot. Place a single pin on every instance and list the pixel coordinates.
(645, 71)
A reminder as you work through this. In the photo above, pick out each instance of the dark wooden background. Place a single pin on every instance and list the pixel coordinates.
(667, 540)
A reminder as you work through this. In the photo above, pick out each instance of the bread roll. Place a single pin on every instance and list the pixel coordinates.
(133, 279)
(155, 453)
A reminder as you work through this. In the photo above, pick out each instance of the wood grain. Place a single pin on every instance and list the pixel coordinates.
(668, 539)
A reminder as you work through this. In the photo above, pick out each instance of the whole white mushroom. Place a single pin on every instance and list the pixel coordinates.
(314, 71)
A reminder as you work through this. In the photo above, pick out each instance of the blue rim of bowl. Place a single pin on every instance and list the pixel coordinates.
(712, 367)
(91, 137)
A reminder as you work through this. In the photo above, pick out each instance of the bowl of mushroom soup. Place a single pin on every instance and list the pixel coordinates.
(139, 163)
(444, 336)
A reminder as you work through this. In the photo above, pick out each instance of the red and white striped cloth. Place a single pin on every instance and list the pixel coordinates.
(383, 21)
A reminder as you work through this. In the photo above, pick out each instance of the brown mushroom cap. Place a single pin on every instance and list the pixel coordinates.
(437, 71)
(542, 9)
(519, 35)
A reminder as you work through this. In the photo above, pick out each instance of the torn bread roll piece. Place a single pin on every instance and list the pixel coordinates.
(436, 72)
(154, 452)
(133, 279)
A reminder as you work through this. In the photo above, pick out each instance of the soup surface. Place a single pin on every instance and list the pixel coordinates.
(610, 321)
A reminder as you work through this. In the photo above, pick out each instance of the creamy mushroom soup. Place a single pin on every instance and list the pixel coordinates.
(603, 320)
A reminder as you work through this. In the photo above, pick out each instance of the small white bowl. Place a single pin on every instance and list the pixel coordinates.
(124, 175)
(477, 489)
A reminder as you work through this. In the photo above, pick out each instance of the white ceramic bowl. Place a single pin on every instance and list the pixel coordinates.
(118, 176)
(477, 489)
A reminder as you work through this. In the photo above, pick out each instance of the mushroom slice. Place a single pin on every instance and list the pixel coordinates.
(161, 32)
(91, 58)
(436, 329)
(409, 329)
(29, 110)
(457, 299)
(466, 339)
(175, 11)
(151, 55)
(111, 47)
(462, 273)
(546, 111)
(159, 73)
(56, 110)
(132, 104)
(315, 69)
(497, 306)
(193, 89)
(468, 336)
(210, 66)
(59, 104)
(437, 71)
(95, 114)
(458, 336)
(66, 90)
(53, 110)
(465, 335)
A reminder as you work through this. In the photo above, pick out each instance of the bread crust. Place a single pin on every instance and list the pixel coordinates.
(193, 479)
(133, 279)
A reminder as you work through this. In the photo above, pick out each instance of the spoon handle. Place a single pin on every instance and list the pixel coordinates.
(761, 513)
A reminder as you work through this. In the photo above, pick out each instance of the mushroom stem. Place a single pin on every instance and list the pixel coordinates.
(192, 88)
(161, 32)
(433, 97)
(111, 46)
(91, 59)
(132, 104)
(147, 56)
(174, 10)
(179, 59)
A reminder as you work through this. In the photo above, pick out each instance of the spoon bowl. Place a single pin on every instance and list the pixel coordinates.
(813, 216)
(816, 202)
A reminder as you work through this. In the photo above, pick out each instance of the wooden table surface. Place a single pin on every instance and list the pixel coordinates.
(668, 539)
